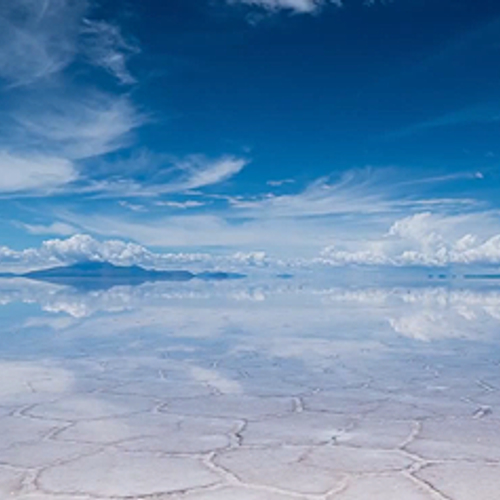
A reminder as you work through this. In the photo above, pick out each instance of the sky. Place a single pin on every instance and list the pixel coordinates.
(348, 132)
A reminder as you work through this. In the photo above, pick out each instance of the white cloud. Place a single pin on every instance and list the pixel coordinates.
(79, 126)
(82, 247)
(37, 38)
(56, 228)
(199, 171)
(23, 173)
(134, 207)
(359, 219)
(49, 122)
(283, 237)
(298, 6)
(105, 46)
(426, 239)
(181, 204)
(489, 114)
(364, 191)
(51, 137)
(40, 38)
(423, 314)
(194, 172)
(280, 182)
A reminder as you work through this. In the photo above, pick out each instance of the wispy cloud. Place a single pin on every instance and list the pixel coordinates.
(171, 177)
(208, 231)
(78, 126)
(484, 115)
(180, 204)
(134, 207)
(54, 229)
(41, 38)
(280, 182)
(198, 171)
(28, 173)
(359, 207)
(50, 122)
(297, 6)
(38, 38)
(364, 191)
(45, 147)
(105, 46)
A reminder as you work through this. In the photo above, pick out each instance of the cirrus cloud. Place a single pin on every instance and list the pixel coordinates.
(40, 39)
(297, 6)
(25, 173)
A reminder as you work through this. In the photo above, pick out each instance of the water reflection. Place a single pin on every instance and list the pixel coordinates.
(268, 389)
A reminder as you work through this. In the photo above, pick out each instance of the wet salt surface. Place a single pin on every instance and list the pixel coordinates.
(248, 392)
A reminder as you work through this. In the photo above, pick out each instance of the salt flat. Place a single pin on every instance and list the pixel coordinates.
(232, 391)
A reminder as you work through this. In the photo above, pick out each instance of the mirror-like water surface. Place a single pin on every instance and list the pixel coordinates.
(238, 390)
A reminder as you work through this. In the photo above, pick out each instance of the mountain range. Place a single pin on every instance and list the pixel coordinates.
(93, 274)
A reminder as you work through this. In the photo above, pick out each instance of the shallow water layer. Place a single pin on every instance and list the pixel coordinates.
(248, 391)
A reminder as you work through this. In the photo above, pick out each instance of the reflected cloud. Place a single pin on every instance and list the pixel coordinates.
(293, 309)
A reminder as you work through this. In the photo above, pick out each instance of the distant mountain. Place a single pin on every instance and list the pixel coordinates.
(99, 275)
(106, 270)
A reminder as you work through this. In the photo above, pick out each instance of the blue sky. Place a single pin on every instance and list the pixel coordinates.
(342, 132)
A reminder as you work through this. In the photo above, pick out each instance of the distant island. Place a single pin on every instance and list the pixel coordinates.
(97, 275)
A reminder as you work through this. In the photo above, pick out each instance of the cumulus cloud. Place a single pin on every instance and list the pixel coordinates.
(83, 247)
(426, 239)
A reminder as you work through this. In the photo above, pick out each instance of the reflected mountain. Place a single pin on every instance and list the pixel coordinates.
(104, 275)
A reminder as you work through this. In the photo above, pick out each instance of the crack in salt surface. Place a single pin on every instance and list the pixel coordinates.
(233, 479)
(428, 485)
(414, 433)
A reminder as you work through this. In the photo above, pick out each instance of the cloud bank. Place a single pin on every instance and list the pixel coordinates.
(82, 247)
(422, 240)
(426, 239)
